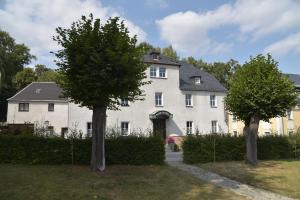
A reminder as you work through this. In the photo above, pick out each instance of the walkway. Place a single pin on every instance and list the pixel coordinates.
(175, 159)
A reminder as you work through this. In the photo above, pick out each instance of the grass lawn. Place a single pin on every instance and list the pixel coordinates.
(282, 177)
(117, 182)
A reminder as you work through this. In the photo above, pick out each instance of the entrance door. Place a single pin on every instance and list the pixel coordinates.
(159, 127)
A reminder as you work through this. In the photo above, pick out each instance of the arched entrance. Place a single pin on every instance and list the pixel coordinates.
(159, 122)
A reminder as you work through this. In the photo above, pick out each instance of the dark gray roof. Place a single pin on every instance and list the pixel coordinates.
(39, 91)
(208, 81)
(295, 78)
(161, 59)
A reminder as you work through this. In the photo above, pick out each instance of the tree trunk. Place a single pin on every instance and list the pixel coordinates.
(98, 130)
(251, 140)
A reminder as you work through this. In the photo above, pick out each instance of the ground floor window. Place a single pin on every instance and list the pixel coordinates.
(189, 127)
(23, 107)
(214, 126)
(235, 133)
(125, 128)
(89, 129)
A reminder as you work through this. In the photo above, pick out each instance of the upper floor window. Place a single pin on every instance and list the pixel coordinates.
(214, 126)
(124, 102)
(189, 127)
(158, 72)
(213, 101)
(23, 107)
(197, 80)
(158, 99)
(188, 100)
(50, 107)
(289, 115)
(125, 128)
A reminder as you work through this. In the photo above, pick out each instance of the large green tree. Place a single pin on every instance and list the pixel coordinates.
(13, 57)
(101, 65)
(170, 52)
(23, 78)
(258, 91)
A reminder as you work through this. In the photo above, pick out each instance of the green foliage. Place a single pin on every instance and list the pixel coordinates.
(210, 148)
(26, 149)
(170, 52)
(23, 78)
(101, 63)
(259, 89)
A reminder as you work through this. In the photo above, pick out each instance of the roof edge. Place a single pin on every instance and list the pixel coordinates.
(19, 91)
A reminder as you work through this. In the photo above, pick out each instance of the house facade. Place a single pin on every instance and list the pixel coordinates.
(279, 125)
(180, 100)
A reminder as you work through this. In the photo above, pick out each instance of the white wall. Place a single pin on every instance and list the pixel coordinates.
(137, 114)
(38, 113)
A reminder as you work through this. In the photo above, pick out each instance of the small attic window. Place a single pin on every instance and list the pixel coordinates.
(197, 80)
(155, 56)
(37, 91)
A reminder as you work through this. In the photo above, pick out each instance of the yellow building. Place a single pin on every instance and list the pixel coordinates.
(280, 125)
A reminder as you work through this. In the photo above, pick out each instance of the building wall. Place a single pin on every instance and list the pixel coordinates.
(137, 114)
(38, 114)
(279, 125)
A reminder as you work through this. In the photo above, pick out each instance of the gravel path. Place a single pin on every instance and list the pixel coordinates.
(239, 188)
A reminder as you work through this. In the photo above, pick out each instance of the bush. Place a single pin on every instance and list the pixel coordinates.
(213, 147)
(26, 149)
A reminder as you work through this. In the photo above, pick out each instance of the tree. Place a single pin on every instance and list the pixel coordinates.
(40, 69)
(48, 76)
(101, 65)
(23, 78)
(258, 91)
(170, 52)
(13, 58)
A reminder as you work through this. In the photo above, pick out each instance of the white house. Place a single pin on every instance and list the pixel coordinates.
(181, 99)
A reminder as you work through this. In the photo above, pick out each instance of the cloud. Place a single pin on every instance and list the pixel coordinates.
(33, 22)
(289, 44)
(249, 19)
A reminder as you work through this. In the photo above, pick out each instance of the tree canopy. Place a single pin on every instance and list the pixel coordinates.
(101, 64)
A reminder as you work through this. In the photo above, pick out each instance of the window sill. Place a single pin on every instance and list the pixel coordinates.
(23, 110)
(214, 106)
(158, 77)
(188, 106)
(159, 106)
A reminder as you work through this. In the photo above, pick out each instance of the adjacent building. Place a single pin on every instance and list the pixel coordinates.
(180, 100)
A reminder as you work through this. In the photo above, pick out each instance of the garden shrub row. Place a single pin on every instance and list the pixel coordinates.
(39, 150)
(214, 148)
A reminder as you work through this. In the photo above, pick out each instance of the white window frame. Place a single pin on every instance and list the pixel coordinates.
(213, 102)
(89, 131)
(155, 72)
(124, 103)
(22, 107)
(161, 99)
(189, 127)
(197, 80)
(51, 110)
(235, 133)
(122, 128)
(189, 101)
(214, 128)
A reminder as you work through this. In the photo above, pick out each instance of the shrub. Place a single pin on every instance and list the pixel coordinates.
(213, 147)
(26, 149)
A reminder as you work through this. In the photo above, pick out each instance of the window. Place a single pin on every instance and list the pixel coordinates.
(89, 129)
(234, 133)
(152, 71)
(50, 107)
(162, 72)
(197, 80)
(124, 128)
(214, 126)
(51, 130)
(213, 101)
(267, 133)
(189, 127)
(158, 72)
(124, 103)
(188, 100)
(289, 115)
(234, 118)
(158, 99)
(23, 107)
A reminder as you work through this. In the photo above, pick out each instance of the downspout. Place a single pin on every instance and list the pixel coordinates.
(282, 125)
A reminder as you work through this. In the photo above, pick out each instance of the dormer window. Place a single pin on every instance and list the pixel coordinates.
(155, 56)
(197, 80)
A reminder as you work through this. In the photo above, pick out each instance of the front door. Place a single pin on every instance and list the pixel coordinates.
(159, 127)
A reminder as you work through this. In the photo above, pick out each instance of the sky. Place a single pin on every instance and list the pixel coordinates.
(215, 30)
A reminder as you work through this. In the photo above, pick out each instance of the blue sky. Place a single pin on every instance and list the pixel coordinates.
(215, 30)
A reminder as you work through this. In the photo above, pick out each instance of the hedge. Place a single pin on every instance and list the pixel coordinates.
(39, 150)
(214, 148)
